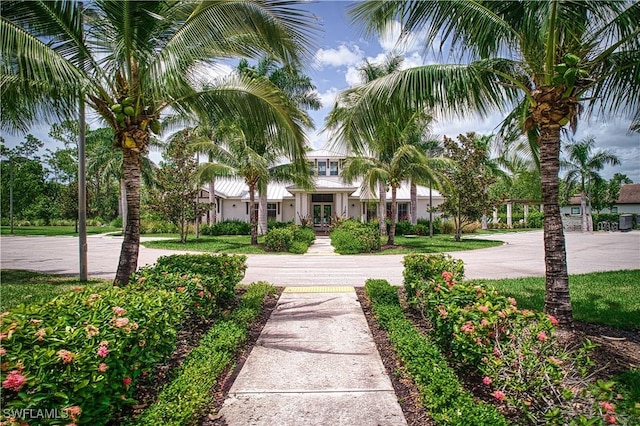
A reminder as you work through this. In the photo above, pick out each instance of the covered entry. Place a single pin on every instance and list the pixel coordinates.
(322, 210)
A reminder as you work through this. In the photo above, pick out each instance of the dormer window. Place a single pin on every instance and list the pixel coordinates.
(333, 168)
(322, 168)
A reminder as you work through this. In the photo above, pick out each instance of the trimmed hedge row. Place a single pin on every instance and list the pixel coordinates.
(180, 402)
(442, 394)
(82, 352)
(352, 237)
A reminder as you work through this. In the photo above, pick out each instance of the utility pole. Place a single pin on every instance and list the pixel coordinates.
(11, 193)
(82, 183)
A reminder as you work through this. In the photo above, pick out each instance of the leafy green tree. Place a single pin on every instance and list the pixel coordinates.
(582, 164)
(134, 60)
(541, 60)
(176, 196)
(467, 198)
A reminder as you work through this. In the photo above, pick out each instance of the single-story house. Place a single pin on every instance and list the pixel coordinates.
(628, 202)
(331, 197)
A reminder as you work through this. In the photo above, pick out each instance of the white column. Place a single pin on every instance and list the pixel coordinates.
(526, 213)
(509, 222)
(296, 209)
(304, 205)
(495, 215)
(338, 204)
(363, 212)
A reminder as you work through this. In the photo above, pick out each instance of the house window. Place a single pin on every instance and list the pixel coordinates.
(333, 168)
(272, 210)
(575, 210)
(322, 198)
(322, 168)
(255, 208)
(403, 211)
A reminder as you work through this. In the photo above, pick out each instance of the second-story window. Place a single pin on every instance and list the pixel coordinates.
(333, 168)
(322, 168)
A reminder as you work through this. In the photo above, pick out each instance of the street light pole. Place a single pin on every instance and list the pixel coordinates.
(82, 186)
(11, 193)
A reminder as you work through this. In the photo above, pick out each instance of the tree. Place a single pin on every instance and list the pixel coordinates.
(582, 165)
(134, 60)
(467, 198)
(176, 197)
(613, 189)
(301, 92)
(560, 54)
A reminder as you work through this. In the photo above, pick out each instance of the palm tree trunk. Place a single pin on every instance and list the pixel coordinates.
(131, 244)
(414, 204)
(557, 299)
(583, 212)
(262, 214)
(123, 204)
(382, 208)
(394, 214)
(253, 218)
(212, 202)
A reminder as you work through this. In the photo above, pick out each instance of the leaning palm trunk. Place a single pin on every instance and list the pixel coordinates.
(414, 204)
(583, 212)
(253, 218)
(262, 214)
(394, 214)
(130, 246)
(382, 208)
(557, 301)
(123, 203)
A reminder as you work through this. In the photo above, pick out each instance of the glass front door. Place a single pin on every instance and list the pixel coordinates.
(322, 215)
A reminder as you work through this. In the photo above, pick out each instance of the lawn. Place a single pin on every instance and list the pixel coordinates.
(237, 244)
(51, 231)
(610, 298)
(27, 287)
(437, 244)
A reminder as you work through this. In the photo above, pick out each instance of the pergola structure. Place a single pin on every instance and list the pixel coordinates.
(510, 203)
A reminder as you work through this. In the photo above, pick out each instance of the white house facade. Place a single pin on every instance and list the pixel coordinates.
(330, 197)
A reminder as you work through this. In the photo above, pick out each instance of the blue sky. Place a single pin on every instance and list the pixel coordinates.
(340, 49)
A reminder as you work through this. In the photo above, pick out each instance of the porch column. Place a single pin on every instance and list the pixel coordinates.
(338, 204)
(509, 222)
(363, 212)
(304, 205)
(495, 215)
(296, 209)
(526, 213)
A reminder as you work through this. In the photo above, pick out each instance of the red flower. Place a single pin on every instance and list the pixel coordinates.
(554, 320)
(607, 406)
(14, 381)
(487, 380)
(610, 419)
(542, 336)
(499, 395)
(127, 381)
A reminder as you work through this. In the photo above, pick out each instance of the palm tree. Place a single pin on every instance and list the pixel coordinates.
(541, 59)
(408, 163)
(134, 60)
(582, 165)
(299, 90)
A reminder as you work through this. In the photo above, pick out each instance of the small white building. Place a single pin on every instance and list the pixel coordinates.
(330, 198)
(628, 202)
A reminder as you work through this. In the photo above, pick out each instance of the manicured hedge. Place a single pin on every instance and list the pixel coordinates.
(181, 402)
(293, 238)
(352, 237)
(83, 351)
(442, 394)
(228, 227)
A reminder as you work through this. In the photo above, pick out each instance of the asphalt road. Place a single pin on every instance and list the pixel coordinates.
(522, 255)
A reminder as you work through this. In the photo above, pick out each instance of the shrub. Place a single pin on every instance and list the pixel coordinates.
(116, 223)
(298, 247)
(303, 234)
(441, 392)
(534, 219)
(403, 227)
(351, 237)
(422, 268)
(273, 224)
(229, 227)
(82, 352)
(447, 227)
(279, 239)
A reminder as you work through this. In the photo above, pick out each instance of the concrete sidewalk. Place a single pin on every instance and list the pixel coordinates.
(315, 363)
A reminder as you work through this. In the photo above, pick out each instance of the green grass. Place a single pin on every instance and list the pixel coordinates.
(610, 298)
(439, 243)
(234, 244)
(51, 231)
(20, 286)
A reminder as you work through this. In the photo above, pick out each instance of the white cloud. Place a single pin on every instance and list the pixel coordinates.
(352, 76)
(328, 97)
(388, 40)
(343, 55)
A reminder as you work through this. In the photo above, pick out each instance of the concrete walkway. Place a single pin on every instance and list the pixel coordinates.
(315, 363)
(321, 247)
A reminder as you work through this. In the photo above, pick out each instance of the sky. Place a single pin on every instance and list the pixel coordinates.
(341, 48)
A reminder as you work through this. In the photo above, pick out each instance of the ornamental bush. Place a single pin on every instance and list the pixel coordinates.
(419, 269)
(351, 237)
(279, 239)
(228, 227)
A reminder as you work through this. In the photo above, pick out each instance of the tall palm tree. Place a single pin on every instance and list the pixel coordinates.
(133, 60)
(542, 60)
(299, 90)
(582, 165)
(408, 163)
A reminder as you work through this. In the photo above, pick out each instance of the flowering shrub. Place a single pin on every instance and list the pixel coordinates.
(82, 351)
(279, 239)
(420, 268)
(351, 237)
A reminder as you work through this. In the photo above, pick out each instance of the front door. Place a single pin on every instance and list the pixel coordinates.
(322, 215)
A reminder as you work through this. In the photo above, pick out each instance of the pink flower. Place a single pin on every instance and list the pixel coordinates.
(14, 381)
(542, 336)
(73, 412)
(499, 395)
(554, 320)
(103, 367)
(610, 419)
(3, 351)
(484, 322)
(443, 312)
(607, 406)
(468, 327)
(41, 333)
(483, 308)
(103, 351)
(91, 331)
(487, 380)
(555, 360)
(447, 276)
(201, 293)
(127, 381)
(66, 356)
(496, 351)
(180, 289)
(119, 311)
(121, 322)
(512, 301)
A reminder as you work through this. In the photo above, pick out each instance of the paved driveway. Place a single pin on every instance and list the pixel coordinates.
(521, 255)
